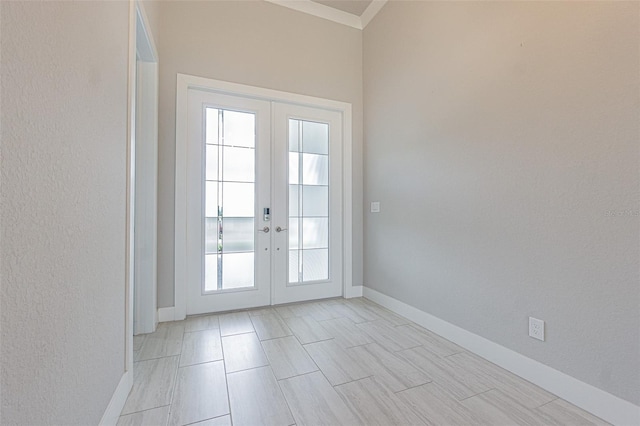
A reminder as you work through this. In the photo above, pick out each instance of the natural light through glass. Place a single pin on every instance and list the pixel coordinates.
(229, 211)
(308, 201)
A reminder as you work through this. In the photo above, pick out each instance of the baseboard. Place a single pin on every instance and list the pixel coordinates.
(119, 397)
(354, 291)
(166, 314)
(596, 401)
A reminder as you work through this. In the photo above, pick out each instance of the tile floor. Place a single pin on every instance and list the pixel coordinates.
(331, 362)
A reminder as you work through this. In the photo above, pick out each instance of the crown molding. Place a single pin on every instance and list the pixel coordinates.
(371, 11)
(331, 14)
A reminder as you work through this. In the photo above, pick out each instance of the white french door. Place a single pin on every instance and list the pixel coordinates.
(307, 192)
(263, 203)
(228, 180)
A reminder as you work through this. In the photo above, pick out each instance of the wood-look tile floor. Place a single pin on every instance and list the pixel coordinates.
(330, 362)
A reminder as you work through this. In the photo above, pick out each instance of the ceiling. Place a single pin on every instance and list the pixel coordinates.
(355, 7)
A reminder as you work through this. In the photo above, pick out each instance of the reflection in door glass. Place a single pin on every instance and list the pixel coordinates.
(229, 214)
(308, 201)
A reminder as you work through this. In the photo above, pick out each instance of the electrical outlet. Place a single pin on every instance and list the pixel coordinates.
(375, 207)
(536, 328)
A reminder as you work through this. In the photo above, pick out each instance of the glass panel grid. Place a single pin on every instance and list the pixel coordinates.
(229, 213)
(308, 201)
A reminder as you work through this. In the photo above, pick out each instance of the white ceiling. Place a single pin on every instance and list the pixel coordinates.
(355, 7)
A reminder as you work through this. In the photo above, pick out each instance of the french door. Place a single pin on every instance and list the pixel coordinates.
(263, 202)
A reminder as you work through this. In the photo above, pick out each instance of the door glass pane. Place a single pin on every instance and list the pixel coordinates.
(239, 129)
(315, 137)
(211, 272)
(229, 222)
(211, 199)
(294, 135)
(239, 164)
(211, 121)
(315, 201)
(308, 201)
(237, 234)
(237, 199)
(237, 270)
(211, 161)
(315, 232)
(211, 235)
(294, 200)
(315, 169)
(293, 233)
(315, 265)
(294, 273)
(294, 160)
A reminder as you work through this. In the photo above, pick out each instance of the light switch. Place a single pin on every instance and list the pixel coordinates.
(375, 207)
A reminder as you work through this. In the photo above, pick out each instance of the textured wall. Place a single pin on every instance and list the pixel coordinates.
(500, 138)
(259, 44)
(64, 111)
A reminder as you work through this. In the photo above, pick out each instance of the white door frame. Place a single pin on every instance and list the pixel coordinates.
(139, 36)
(146, 179)
(138, 32)
(186, 82)
(141, 45)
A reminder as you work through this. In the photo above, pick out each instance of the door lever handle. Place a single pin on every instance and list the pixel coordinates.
(265, 230)
(278, 229)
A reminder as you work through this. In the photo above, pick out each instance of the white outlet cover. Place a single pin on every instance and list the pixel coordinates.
(536, 328)
(375, 207)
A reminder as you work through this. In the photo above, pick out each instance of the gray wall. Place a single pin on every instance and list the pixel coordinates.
(64, 130)
(259, 44)
(499, 137)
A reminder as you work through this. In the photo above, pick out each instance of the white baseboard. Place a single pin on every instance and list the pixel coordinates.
(596, 401)
(119, 397)
(354, 291)
(166, 314)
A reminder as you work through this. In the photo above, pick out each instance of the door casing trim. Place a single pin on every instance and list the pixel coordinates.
(186, 82)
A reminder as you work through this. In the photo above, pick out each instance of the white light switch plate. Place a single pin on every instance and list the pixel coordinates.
(375, 207)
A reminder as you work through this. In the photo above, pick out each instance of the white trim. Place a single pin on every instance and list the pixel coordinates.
(145, 264)
(118, 399)
(332, 14)
(347, 202)
(166, 314)
(180, 218)
(147, 49)
(596, 401)
(355, 291)
(146, 147)
(186, 82)
(321, 11)
(130, 191)
(371, 11)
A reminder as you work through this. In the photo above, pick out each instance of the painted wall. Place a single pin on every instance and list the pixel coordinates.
(502, 140)
(64, 130)
(259, 44)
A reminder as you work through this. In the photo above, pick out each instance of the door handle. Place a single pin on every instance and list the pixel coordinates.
(278, 229)
(265, 230)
